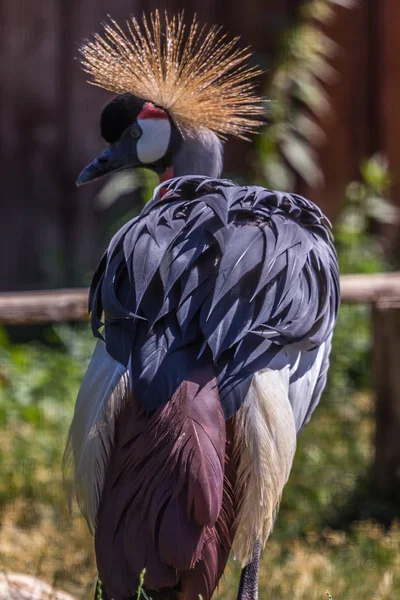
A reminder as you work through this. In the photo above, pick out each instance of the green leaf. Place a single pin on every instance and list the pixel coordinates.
(32, 414)
(309, 91)
(278, 176)
(302, 159)
(119, 184)
(4, 341)
(308, 128)
(382, 211)
(375, 172)
(320, 10)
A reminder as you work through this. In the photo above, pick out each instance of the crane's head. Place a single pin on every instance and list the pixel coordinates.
(139, 134)
(178, 93)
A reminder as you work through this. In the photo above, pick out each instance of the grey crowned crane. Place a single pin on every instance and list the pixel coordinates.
(213, 309)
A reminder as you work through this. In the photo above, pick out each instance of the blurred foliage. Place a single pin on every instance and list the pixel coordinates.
(127, 183)
(38, 386)
(366, 205)
(34, 375)
(298, 99)
(358, 252)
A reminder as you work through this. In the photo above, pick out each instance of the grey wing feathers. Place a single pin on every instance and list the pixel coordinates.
(240, 273)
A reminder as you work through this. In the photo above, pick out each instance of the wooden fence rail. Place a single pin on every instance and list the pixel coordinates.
(55, 306)
(50, 306)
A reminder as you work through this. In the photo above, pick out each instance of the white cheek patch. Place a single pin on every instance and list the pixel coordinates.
(154, 141)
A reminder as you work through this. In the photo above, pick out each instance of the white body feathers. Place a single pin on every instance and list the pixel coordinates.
(103, 393)
(265, 442)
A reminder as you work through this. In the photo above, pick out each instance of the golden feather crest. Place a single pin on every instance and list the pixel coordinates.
(200, 78)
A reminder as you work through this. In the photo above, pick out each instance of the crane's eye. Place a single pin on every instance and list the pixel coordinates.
(135, 132)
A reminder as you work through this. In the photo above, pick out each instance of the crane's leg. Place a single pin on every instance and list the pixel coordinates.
(248, 587)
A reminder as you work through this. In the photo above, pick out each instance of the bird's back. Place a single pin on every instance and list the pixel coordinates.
(249, 274)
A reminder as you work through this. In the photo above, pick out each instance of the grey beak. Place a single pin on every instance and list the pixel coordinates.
(111, 159)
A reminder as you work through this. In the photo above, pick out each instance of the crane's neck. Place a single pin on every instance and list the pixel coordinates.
(200, 154)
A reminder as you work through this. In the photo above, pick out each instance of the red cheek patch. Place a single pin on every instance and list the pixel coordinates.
(168, 174)
(149, 111)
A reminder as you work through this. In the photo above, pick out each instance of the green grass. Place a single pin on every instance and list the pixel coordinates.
(315, 546)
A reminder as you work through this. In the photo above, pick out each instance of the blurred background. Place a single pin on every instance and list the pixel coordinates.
(332, 79)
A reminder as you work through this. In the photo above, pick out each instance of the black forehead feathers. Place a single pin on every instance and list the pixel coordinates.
(118, 114)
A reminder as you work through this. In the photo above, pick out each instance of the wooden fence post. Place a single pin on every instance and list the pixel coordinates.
(386, 367)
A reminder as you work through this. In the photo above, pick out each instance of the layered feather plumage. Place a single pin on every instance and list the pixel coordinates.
(243, 271)
(280, 400)
(102, 396)
(162, 502)
(265, 443)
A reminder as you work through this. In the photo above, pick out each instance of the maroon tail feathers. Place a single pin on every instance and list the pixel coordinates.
(167, 504)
